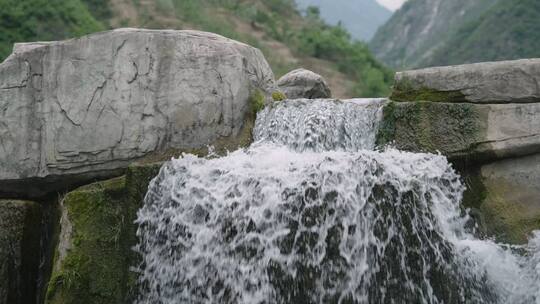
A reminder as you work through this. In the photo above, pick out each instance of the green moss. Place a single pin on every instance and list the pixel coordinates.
(505, 217)
(278, 96)
(386, 133)
(257, 101)
(427, 95)
(450, 128)
(404, 90)
(499, 206)
(95, 269)
(102, 215)
(396, 118)
(138, 178)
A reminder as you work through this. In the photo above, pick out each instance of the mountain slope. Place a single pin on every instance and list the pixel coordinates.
(420, 27)
(509, 30)
(361, 18)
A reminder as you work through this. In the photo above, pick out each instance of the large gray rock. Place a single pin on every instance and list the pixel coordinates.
(302, 83)
(85, 108)
(491, 82)
(463, 130)
(20, 224)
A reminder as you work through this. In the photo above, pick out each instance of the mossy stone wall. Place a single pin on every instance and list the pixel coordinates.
(94, 266)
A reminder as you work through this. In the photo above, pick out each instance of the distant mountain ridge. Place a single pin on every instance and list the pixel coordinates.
(442, 32)
(361, 18)
(510, 29)
(420, 27)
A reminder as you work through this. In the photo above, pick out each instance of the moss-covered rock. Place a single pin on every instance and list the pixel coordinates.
(20, 232)
(257, 101)
(94, 254)
(387, 128)
(506, 198)
(278, 96)
(423, 126)
(404, 90)
(489, 144)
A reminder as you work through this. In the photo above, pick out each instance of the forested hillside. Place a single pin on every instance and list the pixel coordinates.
(509, 30)
(288, 39)
(441, 32)
(420, 27)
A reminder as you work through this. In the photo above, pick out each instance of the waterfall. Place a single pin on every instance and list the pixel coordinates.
(321, 125)
(310, 213)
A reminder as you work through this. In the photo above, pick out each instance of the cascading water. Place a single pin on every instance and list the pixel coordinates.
(310, 214)
(321, 125)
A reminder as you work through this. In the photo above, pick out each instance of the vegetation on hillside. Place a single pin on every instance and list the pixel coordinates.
(509, 30)
(420, 27)
(33, 20)
(287, 38)
(100, 9)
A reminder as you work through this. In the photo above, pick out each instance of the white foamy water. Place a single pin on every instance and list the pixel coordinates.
(301, 217)
(321, 125)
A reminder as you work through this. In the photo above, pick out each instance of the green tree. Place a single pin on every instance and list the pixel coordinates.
(35, 20)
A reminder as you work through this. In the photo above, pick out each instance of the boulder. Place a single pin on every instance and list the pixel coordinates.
(20, 231)
(469, 131)
(302, 83)
(85, 108)
(490, 82)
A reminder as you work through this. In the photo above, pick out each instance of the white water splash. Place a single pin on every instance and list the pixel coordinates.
(321, 124)
(271, 224)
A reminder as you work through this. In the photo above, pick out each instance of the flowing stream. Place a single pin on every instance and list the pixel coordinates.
(311, 213)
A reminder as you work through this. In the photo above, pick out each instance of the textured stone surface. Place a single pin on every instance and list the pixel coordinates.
(20, 226)
(515, 81)
(463, 130)
(302, 83)
(507, 196)
(84, 108)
